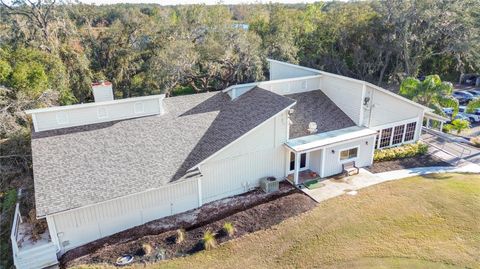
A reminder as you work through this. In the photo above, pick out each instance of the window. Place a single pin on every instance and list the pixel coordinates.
(303, 160)
(377, 137)
(348, 154)
(385, 139)
(138, 108)
(398, 134)
(410, 132)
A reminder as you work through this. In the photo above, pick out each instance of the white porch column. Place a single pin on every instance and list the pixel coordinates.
(297, 167)
(428, 123)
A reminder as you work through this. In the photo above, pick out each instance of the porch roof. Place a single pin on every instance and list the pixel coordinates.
(306, 143)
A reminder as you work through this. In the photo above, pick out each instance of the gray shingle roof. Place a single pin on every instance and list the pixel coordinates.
(78, 166)
(315, 106)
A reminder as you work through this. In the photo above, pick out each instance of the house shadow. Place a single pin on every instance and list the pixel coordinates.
(234, 119)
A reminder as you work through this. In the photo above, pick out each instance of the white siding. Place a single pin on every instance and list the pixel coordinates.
(239, 167)
(389, 109)
(281, 87)
(80, 226)
(345, 93)
(281, 70)
(315, 162)
(333, 165)
(291, 86)
(82, 114)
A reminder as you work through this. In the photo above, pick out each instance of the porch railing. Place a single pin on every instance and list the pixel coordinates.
(445, 143)
(17, 220)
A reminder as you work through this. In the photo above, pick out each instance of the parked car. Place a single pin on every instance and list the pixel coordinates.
(475, 93)
(463, 96)
(448, 111)
(461, 116)
(469, 79)
(472, 117)
(476, 111)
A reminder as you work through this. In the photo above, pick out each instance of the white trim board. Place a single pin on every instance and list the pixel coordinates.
(307, 143)
(94, 104)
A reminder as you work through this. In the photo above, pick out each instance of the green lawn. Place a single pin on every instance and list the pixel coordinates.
(420, 222)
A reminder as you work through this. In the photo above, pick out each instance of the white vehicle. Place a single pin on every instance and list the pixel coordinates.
(462, 110)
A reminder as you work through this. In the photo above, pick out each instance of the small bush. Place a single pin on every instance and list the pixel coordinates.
(447, 128)
(460, 125)
(9, 200)
(405, 151)
(229, 229)
(475, 141)
(209, 241)
(180, 236)
(147, 249)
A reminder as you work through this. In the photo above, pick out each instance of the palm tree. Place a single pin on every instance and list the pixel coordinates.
(431, 92)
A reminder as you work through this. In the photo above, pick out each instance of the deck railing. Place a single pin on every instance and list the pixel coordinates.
(17, 220)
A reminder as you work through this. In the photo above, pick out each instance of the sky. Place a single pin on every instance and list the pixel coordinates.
(183, 2)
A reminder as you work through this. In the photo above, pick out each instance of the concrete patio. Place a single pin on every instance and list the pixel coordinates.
(336, 187)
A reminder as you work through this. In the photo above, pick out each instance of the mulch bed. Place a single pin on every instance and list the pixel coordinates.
(418, 161)
(248, 213)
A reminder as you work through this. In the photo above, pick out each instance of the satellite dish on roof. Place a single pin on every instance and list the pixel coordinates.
(312, 127)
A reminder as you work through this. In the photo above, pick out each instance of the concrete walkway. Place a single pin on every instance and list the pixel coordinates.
(466, 167)
(336, 187)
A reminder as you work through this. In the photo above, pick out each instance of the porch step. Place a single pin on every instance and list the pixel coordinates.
(37, 258)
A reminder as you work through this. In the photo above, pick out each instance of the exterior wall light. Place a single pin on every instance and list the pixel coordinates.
(333, 151)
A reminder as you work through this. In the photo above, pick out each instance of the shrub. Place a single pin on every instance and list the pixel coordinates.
(147, 248)
(180, 236)
(475, 141)
(405, 151)
(228, 228)
(447, 128)
(460, 125)
(9, 200)
(209, 241)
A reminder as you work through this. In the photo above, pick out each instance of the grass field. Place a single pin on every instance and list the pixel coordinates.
(420, 222)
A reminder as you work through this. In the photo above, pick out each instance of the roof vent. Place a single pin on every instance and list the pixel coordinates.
(102, 91)
(312, 127)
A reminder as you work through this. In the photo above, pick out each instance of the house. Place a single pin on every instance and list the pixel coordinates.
(103, 167)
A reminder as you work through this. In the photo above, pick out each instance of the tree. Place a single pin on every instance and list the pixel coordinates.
(39, 22)
(425, 30)
(460, 125)
(430, 92)
(278, 30)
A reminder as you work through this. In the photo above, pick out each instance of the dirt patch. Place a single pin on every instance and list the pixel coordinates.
(249, 212)
(417, 161)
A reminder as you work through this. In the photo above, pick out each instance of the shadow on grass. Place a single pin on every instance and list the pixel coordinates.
(437, 176)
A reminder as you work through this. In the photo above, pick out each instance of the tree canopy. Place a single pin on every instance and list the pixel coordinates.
(57, 48)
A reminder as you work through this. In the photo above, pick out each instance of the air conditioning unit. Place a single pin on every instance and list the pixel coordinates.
(269, 184)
